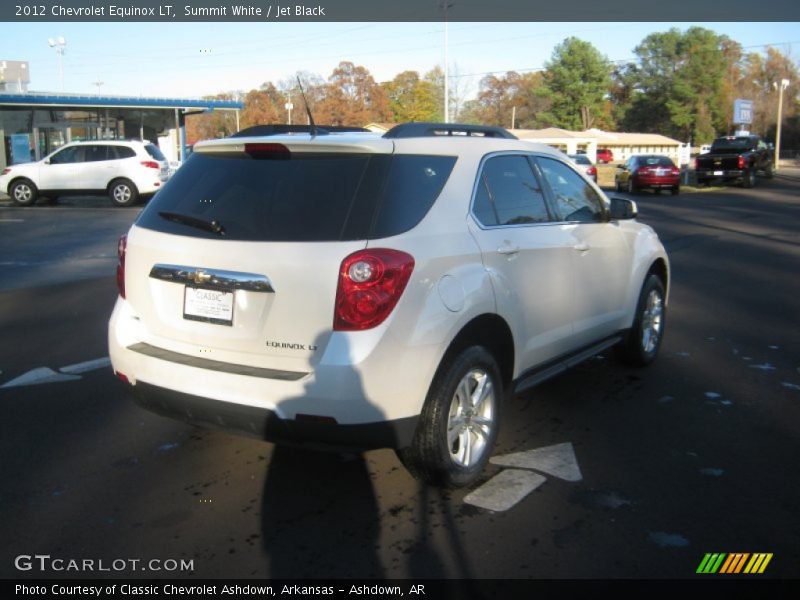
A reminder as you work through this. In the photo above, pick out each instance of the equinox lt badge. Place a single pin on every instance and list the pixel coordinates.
(289, 346)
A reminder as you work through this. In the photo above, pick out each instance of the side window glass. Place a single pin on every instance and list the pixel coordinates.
(575, 199)
(67, 155)
(125, 152)
(95, 153)
(508, 193)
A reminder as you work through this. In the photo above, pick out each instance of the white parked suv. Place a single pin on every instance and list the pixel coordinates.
(358, 290)
(125, 170)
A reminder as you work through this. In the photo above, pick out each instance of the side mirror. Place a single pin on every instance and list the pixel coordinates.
(622, 167)
(623, 209)
(47, 161)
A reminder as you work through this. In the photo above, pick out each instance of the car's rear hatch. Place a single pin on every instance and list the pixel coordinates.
(238, 257)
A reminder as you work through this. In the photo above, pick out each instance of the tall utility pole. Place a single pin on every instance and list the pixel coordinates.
(60, 45)
(98, 83)
(784, 83)
(445, 4)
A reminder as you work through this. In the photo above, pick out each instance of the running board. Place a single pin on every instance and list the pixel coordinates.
(551, 370)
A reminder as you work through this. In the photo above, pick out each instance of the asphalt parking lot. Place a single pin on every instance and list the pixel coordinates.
(643, 472)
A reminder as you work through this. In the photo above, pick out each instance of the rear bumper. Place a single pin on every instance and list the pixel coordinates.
(721, 174)
(265, 425)
(657, 182)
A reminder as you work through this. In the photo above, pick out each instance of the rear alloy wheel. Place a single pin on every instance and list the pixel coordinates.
(459, 421)
(23, 192)
(749, 178)
(640, 345)
(769, 171)
(631, 186)
(123, 192)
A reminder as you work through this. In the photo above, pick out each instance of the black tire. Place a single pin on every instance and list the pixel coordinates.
(447, 435)
(749, 179)
(618, 186)
(632, 189)
(640, 345)
(123, 192)
(23, 192)
(675, 191)
(769, 171)
(657, 191)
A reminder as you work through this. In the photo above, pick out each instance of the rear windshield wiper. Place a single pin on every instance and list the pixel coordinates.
(213, 226)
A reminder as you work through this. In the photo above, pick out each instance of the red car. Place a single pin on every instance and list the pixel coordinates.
(604, 155)
(650, 171)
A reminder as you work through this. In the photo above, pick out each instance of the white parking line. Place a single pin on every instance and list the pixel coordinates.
(68, 373)
(504, 490)
(12, 220)
(558, 460)
(89, 365)
(37, 376)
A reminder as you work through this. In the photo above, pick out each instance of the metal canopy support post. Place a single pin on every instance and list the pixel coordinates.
(178, 145)
(237, 120)
(182, 136)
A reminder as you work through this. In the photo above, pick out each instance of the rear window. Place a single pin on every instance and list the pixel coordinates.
(155, 152)
(733, 144)
(656, 161)
(301, 197)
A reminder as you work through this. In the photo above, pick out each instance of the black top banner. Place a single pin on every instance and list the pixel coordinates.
(399, 10)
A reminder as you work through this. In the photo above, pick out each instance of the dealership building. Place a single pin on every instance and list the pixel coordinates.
(33, 124)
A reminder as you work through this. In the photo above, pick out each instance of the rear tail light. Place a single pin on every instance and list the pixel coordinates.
(740, 162)
(371, 282)
(696, 164)
(150, 164)
(6, 171)
(122, 377)
(591, 171)
(122, 248)
(676, 171)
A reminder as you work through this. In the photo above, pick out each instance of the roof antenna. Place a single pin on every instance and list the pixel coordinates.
(308, 110)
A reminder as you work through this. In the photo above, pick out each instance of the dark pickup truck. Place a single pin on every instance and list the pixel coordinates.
(734, 158)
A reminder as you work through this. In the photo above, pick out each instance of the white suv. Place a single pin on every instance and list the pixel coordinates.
(357, 290)
(125, 170)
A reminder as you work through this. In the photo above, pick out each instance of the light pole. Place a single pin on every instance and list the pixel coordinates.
(289, 106)
(784, 83)
(445, 4)
(60, 45)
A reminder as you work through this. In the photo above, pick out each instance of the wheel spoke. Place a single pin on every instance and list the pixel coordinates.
(466, 441)
(480, 392)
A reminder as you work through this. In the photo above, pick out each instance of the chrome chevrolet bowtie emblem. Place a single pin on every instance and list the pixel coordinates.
(201, 276)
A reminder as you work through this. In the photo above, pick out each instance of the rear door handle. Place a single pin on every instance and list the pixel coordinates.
(508, 249)
(582, 247)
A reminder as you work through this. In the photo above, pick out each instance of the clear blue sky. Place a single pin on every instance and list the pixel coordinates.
(190, 60)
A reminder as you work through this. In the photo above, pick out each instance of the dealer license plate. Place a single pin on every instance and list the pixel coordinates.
(209, 306)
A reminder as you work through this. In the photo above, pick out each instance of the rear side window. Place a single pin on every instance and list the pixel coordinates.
(118, 152)
(95, 153)
(299, 197)
(155, 152)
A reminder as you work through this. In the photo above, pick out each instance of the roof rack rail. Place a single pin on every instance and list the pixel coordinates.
(284, 129)
(412, 130)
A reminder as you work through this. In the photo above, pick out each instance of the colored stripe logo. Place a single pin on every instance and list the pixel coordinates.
(735, 563)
